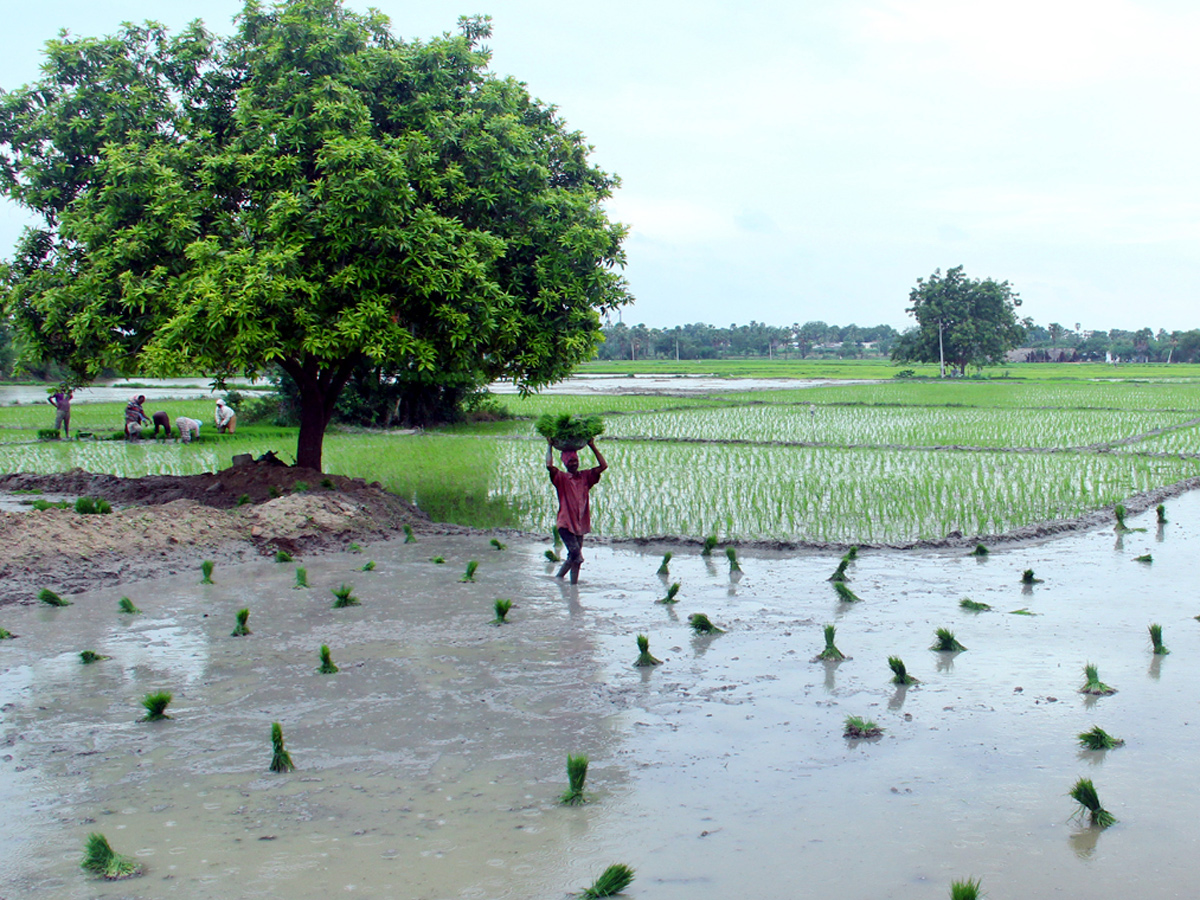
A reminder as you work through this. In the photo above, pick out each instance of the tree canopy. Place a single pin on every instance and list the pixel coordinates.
(310, 193)
(961, 320)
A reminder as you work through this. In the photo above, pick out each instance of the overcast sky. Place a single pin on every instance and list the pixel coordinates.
(789, 161)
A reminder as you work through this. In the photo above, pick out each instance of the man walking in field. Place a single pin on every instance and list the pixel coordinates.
(61, 401)
(574, 507)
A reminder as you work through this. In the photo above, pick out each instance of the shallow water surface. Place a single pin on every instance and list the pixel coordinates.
(431, 764)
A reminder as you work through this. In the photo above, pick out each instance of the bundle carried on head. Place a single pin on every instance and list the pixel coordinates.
(567, 432)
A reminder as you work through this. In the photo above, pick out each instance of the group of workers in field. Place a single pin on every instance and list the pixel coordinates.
(139, 425)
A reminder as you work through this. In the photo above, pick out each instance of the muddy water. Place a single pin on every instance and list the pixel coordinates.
(430, 765)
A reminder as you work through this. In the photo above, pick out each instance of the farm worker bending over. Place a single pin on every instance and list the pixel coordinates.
(574, 509)
(163, 421)
(225, 418)
(188, 428)
(61, 401)
(135, 417)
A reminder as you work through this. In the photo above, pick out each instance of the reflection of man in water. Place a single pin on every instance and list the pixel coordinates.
(574, 509)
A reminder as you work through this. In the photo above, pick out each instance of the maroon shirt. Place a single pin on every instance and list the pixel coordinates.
(574, 507)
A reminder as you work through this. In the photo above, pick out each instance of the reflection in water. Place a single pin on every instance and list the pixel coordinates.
(1119, 546)
(1159, 532)
(831, 667)
(182, 655)
(897, 699)
(1155, 670)
(945, 660)
(1083, 842)
(1093, 758)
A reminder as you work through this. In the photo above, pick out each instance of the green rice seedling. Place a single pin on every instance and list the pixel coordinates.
(343, 596)
(831, 653)
(980, 550)
(327, 483)
(612, 881)
(300, 487)
(41, 505)
(710, 544)
(852, 553)
(354, 547)
(569, 432)
(702, 624)
(1098, 739)
(839, 574)
(241, 629)
(1161, 511)
(469, 574)
(946, 642)
(857, 727)
(731, 555)
(1157, 641)
(85, 506)
(282, 556)
(273, 492)
(281, 760)
(437, 559)
(644, 657)
(973, 606)
(497, 545)
(553, 557)
(556, 538)
(100, 859)
(87, 657)
(243, 500)
(327, 666)
(156, 706)
(844, 593)
(206, 569)
(301, 577)
(671, 592)
(1023, 611)
(1144, 558)
(1084, 793)
(1027, 577)
(5, 634)
(577, 767)
(663, 568)
(368, 566)
(1119, 514)
(50, 598)
(965, 890)
(899, 672)
(501, 607)
(1092, 683)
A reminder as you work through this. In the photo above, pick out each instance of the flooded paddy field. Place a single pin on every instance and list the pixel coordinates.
(431, 765)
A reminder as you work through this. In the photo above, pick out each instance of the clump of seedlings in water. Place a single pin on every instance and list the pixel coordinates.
(156, 706)
(282, 556)
(87, 657)
(281, 760)
(972, 606)
(980, 550)
(702, 624)
(1027, 577)
(671, 592)
(409, 537)
(831, 653)
(1092, 683)
(126, 605)
(1119, 514)
(553, 557)
(710, 544)
(662, 568)
(1157, 641)
(50, 598)
(1098, 739)
(612, 880)
(844, 593)
(899, 672)
(857, 728)
(5, 634)
(731, 555)
(839, 574)
(301, 577)
(501, 608)
(368, 566)
(355, 547)
(644, 657)
(206, 570)
(327, 666)
(965, 890)
(437, 559)
(1084, 793)
(1023, 611)
(946, 642)
(469, 574)
(1144, 558)
(343, 596)
(100, 859)
(852, 553)
(577, 767)
(496, 545)
(1162, 514)
(241, 629)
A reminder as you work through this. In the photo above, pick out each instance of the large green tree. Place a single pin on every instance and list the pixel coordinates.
(311, 193)
(961, 320)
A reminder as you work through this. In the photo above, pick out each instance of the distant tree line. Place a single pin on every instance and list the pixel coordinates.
(700, 341)
(1143, 345)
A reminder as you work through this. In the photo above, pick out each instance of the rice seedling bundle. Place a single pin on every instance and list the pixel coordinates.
(710, 543)
(301, 578)
(1161, 512)
(327, 666)
(1119, 515)
(1084, 793)
(1027, 577)
(1144, 558)
(644, 657)
(87, 657)
(5, 634)
(831, 653)
(1098, 739)
(368, 566)
(241, 629)
(577, 767)
(354, 547)
(344, 596)
(501, 607)
(567, 432)
(469, 574)
(980, 550)
(663, 567)
(553, 557)
(612, 881)
(973, 605)
(844, 593)
(496, 545)
(50, 598)
(100, 859)
(282, 556)
(965, 890)
(206, 570)
(156, 704)
(856, 727)
(671, 592)
(281, 760)
(438, 560)
(1156, 640)
(899, 671)
(409, 537)
(731, 555)
(946, 642)
(1092, 683)
(839, 574)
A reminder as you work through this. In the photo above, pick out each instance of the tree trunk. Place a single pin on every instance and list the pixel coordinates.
(319, 391)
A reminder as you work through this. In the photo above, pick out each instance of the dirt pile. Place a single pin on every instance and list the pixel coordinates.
(162, 524)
